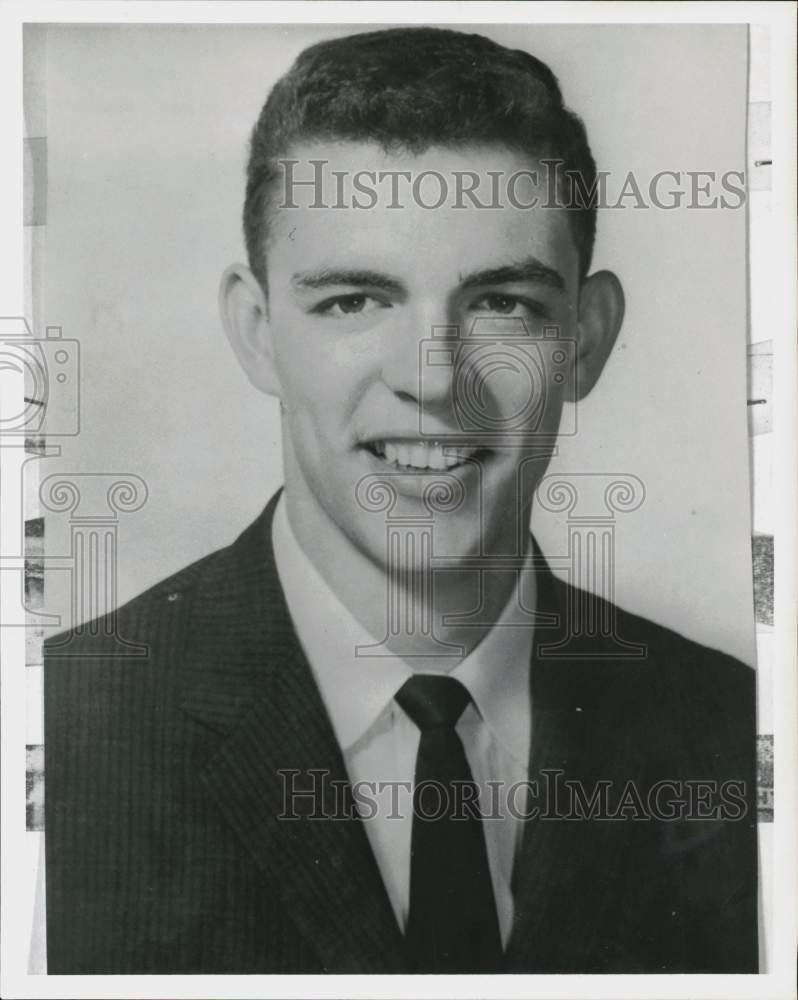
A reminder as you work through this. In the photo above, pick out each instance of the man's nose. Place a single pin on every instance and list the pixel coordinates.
(420, 361)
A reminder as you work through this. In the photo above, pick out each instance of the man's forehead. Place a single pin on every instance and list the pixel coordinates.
(462, 210)
(466, 177)
(513, 271)
(309, 257)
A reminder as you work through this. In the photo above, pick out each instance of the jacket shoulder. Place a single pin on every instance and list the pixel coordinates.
(655, 645)
(672, 691)
(134, 624)
(681, 662)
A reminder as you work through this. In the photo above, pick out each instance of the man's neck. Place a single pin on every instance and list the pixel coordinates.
(430, 619)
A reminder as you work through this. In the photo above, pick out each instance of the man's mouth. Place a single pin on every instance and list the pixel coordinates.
(421, 454)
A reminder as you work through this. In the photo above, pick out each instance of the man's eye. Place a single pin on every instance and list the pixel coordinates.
(508, 305)
(502, 304)
(348, 305)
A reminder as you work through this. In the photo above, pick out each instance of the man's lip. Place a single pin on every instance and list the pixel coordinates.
(476, 449)
(443, 440)
(410, 473)
(478, 457)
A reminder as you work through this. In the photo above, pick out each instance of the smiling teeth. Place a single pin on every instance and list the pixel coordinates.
(420, 455)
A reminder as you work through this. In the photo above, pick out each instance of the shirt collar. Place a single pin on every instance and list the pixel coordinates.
(496, 674)
(357, 690)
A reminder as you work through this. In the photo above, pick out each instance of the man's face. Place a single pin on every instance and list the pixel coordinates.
(371, 399)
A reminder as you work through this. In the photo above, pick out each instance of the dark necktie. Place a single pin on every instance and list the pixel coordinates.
(452, 925)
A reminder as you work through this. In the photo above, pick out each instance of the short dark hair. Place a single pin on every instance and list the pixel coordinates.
(413, 88)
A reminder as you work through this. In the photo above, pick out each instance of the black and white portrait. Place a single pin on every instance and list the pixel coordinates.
(394, 588)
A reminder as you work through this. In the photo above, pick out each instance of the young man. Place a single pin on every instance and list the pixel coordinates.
(374, 734)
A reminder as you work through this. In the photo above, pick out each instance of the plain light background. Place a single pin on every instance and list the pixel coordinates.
(147, 130)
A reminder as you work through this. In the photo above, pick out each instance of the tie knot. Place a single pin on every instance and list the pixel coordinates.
(433, 701)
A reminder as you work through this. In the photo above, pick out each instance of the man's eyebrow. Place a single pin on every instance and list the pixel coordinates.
(530, 269)
(329, 277)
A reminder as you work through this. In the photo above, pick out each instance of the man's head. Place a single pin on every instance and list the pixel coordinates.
(410, 89)
(373, 321)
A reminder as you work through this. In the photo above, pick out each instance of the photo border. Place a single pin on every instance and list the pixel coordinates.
(17, 856)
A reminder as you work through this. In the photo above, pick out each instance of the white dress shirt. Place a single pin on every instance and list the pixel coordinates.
(379, 742)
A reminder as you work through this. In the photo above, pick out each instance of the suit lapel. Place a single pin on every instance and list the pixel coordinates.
(248, 679)
(547, 912)
(536, 860)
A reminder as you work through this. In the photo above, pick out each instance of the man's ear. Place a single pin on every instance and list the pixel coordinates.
(245, 315)
(601, 309)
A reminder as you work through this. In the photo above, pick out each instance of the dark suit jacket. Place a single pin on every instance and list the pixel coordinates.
(165, 848)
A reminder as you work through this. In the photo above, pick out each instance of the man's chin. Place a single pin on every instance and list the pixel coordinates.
(411, 548)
